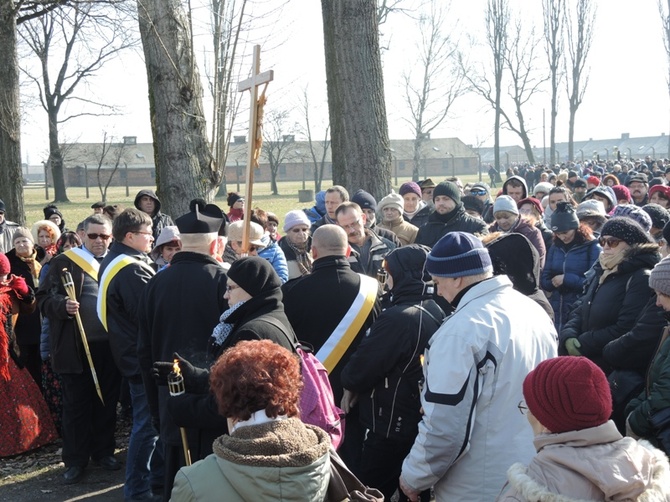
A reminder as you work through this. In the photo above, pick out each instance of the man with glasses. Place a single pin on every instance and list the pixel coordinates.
(88, 423)
(178, 311)
(7, 229)
(124, 273)
(369, 249)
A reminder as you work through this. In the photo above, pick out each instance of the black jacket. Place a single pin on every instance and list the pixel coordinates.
(607, 311)
(439, 225)
(29, 325)
(316, 303)
(386, 370)
(123, 299)
(421, 217)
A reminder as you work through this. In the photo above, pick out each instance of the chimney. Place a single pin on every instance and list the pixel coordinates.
(625, 135)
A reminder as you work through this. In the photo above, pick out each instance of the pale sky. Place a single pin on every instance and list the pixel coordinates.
(627, 90)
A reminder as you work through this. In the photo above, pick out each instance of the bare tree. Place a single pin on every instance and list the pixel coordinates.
(526, 80)
(185, 166)
(664, 12)
(553, 38)
(116, 153)
(361, 149)
(277, 140)
(579, 35)
(90, 35)
(431, 91)
(318, 150)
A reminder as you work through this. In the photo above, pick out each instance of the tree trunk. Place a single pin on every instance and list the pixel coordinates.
(11, 175)
(571, 132)
(185, 167)
(416, 169)
(56, 159)
(361, 150)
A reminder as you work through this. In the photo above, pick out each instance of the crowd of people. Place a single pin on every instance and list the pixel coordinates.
(482, 344)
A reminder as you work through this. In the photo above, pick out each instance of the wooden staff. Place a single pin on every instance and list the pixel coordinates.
(68, 284)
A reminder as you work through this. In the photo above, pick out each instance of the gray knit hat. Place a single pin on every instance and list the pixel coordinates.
(393, 200)
(659, 279)
(505, 203)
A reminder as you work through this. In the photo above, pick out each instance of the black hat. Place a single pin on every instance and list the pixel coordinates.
(202, 218)
(564, 218)
(365, 200)
(232, 198)
(579, 182)
(472, 203)
(626, 229)
(640, 178)
(659, 215)
(449, 189)
(572, 174)
(427, 183)
(98, 205)
(254, 275)
(50, 210)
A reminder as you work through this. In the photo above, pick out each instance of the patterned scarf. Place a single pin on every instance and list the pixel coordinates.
(302, 257)
(223, 329)
(33, 265)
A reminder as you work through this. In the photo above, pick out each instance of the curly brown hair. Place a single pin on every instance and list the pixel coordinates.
(255, 375)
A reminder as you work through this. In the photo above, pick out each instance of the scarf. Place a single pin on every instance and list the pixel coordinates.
(302, 257)
(33, 265)
(235, 214)
(610, 263)
(5, 312)
(223, 329)
(257, 418)
(419, 207)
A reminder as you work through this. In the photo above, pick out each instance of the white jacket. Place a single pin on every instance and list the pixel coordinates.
(474, 367)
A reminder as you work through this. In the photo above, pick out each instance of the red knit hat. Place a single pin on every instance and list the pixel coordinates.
(531, 200)
(594, 180)
(5, 267)
(568, 393)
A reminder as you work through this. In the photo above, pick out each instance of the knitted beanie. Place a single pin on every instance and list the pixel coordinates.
(591, 207)
(254, 275)
(393, 200)
(22, 232)
(296, 217)
(5, 267)
(531, 200)
(664, 190)
(659, 280)
(365, 200)
(50, 210)
(543, 187)
(621, 192)
(579, 183)
(481, 185)
(635, 213)
(564, 218)
(626, 229)
(568, 393)
(232, 198)
(458, 254)
(472, 203)
(593, 180)
(410, 187)
(449, 189)
(505, 203)
(658, 214)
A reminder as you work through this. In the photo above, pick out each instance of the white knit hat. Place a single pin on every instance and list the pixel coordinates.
(295, 217)
(393, 200)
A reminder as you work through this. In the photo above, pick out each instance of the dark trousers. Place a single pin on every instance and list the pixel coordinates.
(352, 447)
(88, 425)
(381, 464)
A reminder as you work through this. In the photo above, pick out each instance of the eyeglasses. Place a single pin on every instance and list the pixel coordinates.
(352, 226)
(144, 233)
(609, 241)
(523, 408)
(93, 237)
(477, 192)
(230, 288)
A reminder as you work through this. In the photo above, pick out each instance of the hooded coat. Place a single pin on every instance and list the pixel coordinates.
(519, 179)
(158, 219)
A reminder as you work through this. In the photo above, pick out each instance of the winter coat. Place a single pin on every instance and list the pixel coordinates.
(573, 262)
(178, 311)
(315, 305)
(273, 253)
(607, 311)
(474, 368)
(655, 397)
(158, 220)
(439, 225)
(375, 258)
(530, 232)
(589, 464)
(29, 325)
(547, 235)
(420, 218)
(406, 232)
(521, 180)
(7, 229)
(385, 370)
(294, 271)
(283, 460)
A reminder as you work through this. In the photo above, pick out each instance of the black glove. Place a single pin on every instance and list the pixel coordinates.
(196, 380)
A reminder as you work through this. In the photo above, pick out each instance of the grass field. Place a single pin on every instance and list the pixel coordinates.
(80, 206)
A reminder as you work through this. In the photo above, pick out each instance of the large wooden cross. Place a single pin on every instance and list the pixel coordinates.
(255, 134)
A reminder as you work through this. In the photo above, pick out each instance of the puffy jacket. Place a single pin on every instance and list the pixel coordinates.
(607, 311)
(405, 231)
(274, 254)
(589, 464)
(573, 262)
(385, 370)
(439, 225)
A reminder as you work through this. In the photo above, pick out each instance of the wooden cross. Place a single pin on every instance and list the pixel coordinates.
(255, 134)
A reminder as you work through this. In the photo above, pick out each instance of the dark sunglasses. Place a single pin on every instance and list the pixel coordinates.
(93, 237)
(611, 242)
(477, 192)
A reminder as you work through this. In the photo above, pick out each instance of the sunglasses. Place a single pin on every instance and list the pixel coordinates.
(477, 192)
(611, 242)
(93, 237)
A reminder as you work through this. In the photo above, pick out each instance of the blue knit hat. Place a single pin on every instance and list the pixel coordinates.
(458, 254)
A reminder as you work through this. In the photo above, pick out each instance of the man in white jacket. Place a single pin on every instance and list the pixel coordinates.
(474, 368)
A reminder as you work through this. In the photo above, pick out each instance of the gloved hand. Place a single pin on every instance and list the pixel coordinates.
(195, 379)
(19, 285)
(572, 345)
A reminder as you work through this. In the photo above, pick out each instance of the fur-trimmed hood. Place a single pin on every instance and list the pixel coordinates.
(622, 470)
